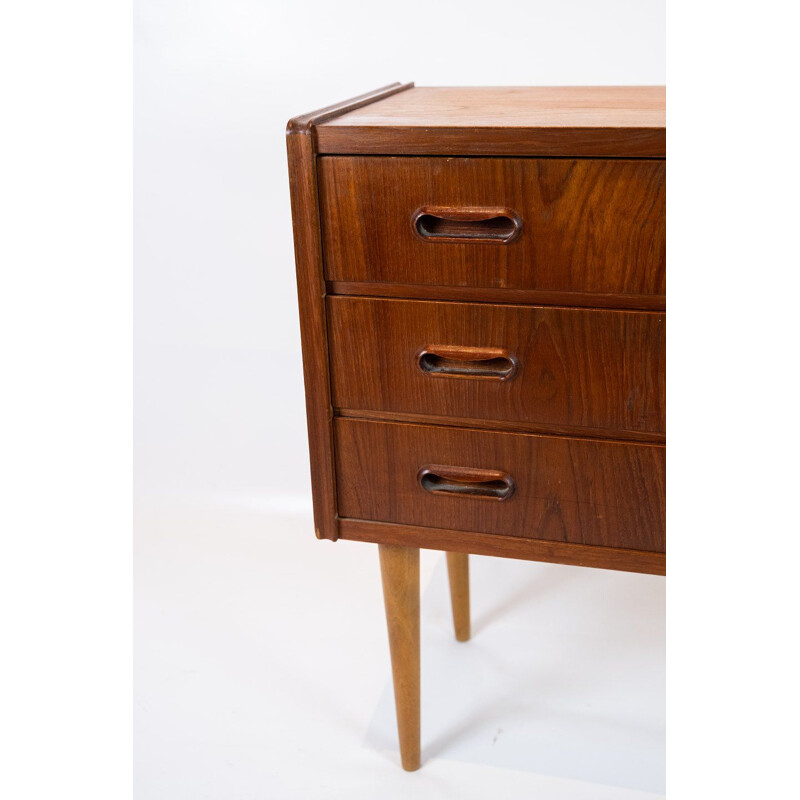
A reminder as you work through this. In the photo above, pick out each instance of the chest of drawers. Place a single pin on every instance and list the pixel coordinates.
(481, 279)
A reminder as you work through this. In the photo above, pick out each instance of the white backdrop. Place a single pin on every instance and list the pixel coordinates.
(261, 663)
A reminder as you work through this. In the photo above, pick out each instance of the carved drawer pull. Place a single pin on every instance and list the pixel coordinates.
(479, 225)
(483, 483)
(467, 362)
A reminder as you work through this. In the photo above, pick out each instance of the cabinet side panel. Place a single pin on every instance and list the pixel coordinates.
(313, 328)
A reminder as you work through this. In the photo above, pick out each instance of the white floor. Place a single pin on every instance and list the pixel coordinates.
(262, 670)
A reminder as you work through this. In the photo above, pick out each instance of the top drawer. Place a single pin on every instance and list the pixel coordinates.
(562, 225)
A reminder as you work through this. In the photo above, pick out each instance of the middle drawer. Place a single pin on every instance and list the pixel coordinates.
(568, 368)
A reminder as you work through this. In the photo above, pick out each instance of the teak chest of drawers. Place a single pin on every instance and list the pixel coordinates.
(481, 277)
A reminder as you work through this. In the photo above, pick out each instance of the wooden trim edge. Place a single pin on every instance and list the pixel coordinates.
(506, 426)
(311, 291)
(313, 331)
(489, 544)
(511, 296)
(494, 141)
(305, 122)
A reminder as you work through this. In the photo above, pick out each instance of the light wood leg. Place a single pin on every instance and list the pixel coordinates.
(458, 572)
(400, 576)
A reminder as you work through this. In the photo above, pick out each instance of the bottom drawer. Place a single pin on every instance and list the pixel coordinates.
(583, 491)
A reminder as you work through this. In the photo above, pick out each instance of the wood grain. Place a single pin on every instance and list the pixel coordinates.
(458, 577)
(597, 121)
(311, 289)
(400, 578)
(492, 544)
(601, 493)
(498, 386)
(499, 425)
(515, 107)
(412, 291)
(304, 123)
(540, 142)
(575, 368)
(313, 333)
(597, 243)
(588, 226)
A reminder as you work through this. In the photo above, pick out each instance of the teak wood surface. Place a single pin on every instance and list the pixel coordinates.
(584, 177)
(481, 280)
(587, 225)
(413, 291)
(492, 544)
(311, 294)
(400, 578)
(601, 493)
(575, 368)
(615, 121)
(458, 577)
(311, 290)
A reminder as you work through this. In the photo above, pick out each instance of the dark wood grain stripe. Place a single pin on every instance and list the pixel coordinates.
(534, 297)
(488, 141)
(501, 426)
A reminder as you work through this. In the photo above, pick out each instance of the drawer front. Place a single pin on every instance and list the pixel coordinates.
(602, 370)
(562, 225)
(602, 493)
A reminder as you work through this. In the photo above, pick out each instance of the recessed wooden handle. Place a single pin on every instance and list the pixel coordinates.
(478, 225)
(490, 484)
(467, 362)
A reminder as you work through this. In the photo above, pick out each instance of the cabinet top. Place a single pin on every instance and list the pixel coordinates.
(588, 121)
(514, 107)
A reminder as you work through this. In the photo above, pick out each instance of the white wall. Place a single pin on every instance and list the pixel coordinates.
(219, 395)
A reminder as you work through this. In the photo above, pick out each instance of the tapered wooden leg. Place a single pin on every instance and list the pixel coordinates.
(458, 572)
(400, 575)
